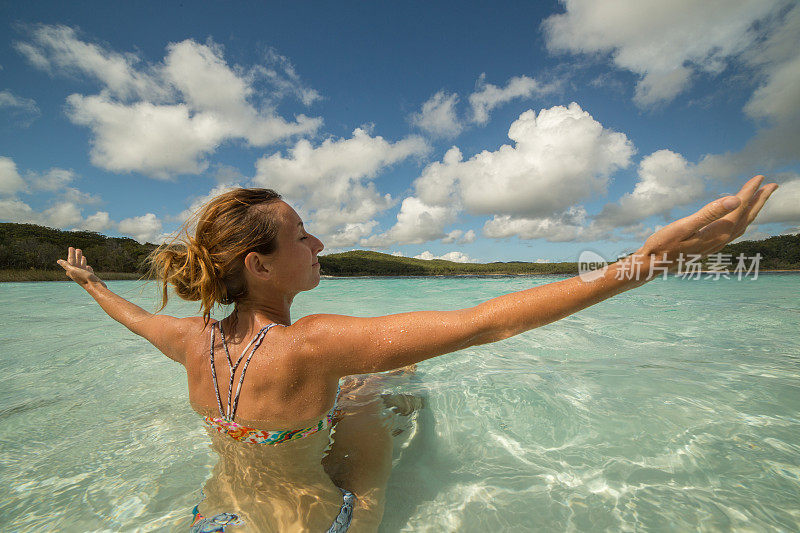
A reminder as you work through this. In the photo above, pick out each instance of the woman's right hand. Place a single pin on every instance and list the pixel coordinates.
(77, 268)
(708, 230)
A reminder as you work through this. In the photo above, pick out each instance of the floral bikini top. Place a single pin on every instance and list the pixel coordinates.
(225, 423)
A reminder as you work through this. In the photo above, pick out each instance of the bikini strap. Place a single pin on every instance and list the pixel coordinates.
(255, 343)
(232, 366)
(214, 375)
(260, 337)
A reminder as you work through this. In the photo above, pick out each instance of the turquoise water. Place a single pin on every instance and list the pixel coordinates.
(672, 407)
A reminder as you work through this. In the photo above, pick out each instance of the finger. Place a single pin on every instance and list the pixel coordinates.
(78, 256)
(760, 199)
(734, 224)
(746, 194)
(716, 234)
(83, 261)
(709, 213)
(63, 264)
(71, 256)
(749, 189)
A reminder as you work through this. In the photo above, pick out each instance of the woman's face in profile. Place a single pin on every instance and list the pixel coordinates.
(295, 261)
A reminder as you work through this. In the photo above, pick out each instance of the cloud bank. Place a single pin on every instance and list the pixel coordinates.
(165, 119)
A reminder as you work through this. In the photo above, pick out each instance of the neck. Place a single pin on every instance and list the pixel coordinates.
(250, 313)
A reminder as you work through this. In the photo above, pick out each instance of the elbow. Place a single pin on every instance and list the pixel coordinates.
(494, 335)
(487, 328)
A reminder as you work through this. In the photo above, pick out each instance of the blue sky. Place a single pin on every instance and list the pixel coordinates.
(512, 131)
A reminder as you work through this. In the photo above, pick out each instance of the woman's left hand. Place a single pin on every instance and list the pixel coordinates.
(710, 229)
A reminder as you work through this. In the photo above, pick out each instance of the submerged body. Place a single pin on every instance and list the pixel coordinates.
(276, 480)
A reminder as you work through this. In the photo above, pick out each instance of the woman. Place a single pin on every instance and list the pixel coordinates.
(268, 387)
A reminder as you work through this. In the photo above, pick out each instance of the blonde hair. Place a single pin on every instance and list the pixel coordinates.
(209, 266)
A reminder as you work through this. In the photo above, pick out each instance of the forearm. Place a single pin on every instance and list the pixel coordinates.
(126, 313)
(515, 313)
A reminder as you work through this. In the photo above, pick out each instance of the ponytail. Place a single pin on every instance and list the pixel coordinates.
(208, 267)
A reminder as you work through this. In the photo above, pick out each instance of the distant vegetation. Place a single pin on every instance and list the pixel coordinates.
(364, 263)
(781, 252)
(29, 253)
(31, 247)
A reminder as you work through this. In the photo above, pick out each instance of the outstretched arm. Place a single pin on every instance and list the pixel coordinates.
(165, 332)
(350, 345)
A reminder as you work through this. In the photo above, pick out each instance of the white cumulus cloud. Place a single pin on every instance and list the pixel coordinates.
(666, 180)
(10, 180)
(58, 49)
(55, 179)
(280, 72)
(65, 202)
(63, 215)
(145, 228)
(783, 205)
(99, 222)
(571, 224)
(350, 233)
(775, 105)
(458, 257)
(417, 222)
(332, 183)
(15, 210)
(459, 237)
(665, 43)
(560, 156)
(438, 116)
(161, 119)
(24, 110)
(488, 96)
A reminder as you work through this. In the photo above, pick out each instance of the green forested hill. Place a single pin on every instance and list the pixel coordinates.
(27, 246)
(365, 263)
(31, 248)
(781, 252)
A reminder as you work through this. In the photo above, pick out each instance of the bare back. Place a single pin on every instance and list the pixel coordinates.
(281, 390)
(277, 392)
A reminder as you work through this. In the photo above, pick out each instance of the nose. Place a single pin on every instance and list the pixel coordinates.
(319, 245)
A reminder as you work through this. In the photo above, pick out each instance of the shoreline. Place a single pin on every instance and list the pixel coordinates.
(514, 274)
(25, 276)
(12, 276)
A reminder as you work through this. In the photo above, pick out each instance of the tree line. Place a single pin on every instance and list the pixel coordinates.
(28, 247)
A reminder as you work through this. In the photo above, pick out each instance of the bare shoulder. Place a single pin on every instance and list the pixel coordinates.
(313, 331)
(355, 345)
(183, 328)
(326, 329)
(176, 337)
(194, 325)
(319, 321)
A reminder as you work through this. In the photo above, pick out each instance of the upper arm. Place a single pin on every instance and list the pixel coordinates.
(354, 345)
(169, 334)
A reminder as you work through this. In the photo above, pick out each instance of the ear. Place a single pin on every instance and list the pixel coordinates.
(257, 265)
